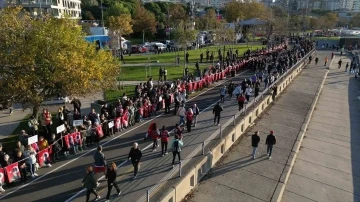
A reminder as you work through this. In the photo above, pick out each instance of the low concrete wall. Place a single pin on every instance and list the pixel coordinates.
(191, 178)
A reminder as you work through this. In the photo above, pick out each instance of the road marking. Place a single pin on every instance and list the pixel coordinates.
(78, 193)
(105, 143)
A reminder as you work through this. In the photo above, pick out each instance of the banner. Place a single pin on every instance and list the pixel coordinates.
(60, 129)
(12, 172)
(43, 156)
(77, 138)
(99, 131)
(111, 124)
(67, 141)
(2, 176)
(78, 123)
(33, 139)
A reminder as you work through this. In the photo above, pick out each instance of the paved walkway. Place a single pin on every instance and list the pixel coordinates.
(327, 168)
(239, 178)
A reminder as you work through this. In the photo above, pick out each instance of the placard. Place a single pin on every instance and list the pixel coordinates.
(78, 122)
(32, 140)
(111, 124)
(60, 129)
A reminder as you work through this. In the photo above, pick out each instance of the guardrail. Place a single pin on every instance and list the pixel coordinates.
(219, 132)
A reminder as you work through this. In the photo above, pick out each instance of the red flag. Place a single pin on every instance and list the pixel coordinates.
(67, 141)
(42, 156)
(13, 172)
(99, 131)
(77, 138)
(2, 176)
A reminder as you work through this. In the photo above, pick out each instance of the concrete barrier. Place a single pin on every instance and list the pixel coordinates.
(189, 180)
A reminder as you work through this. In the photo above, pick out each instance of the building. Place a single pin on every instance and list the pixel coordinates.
(57, 8)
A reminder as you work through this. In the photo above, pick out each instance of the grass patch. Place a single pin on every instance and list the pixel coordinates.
(113, 95)
(327, 38)
(194, 55)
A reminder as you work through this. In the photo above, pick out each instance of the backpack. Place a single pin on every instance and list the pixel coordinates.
(176, 146)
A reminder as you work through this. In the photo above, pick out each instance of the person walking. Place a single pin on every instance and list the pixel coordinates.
(181, 113)
(154, 133)
(111, 180)
(340, 62)
(255, 139)
(89, 182)
(100, 162)
(346, 67)
(270, 142)
(196, 112)
(274, 88)
(135, 155)
(217, 111)
(316, 60)
(223, 93)
(164, 137)
(326, 60)
(176, 145)
(248, 92)
(189, 119)
(241, 101)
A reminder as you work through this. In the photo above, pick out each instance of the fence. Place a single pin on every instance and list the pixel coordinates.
(219, 132)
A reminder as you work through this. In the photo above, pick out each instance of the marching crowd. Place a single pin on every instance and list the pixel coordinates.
(148, 100)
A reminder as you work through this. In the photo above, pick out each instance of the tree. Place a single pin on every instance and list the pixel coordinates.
(177, 14)
(314, 23)
(121, 24)
(144, 20)
(233, 11)
(210, 19)
(116, 10)
(42, 58)
(355, 21)
(329, 20)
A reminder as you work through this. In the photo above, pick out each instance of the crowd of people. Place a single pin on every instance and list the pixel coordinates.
(127, 111)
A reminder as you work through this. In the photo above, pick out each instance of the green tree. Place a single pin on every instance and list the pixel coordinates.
(116, 10)
(144, 20)
(177, 14)
(329, 20)
(43, 58)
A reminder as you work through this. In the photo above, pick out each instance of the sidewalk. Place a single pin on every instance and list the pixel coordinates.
(327, 168)
(239, 178)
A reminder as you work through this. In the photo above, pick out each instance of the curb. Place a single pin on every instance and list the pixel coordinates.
(280, 189)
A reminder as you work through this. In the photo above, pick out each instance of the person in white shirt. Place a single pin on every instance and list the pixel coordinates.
(248, 92)
(223, 93)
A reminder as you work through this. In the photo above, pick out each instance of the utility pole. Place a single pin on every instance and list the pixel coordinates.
(102, 13)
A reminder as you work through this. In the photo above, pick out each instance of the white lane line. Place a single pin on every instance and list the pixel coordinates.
(46, 174)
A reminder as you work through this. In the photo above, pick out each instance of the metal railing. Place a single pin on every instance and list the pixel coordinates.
(201, 146)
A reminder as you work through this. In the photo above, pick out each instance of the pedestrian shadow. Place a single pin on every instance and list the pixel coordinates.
(233, 165)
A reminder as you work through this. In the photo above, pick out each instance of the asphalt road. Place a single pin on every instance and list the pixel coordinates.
(63, 180)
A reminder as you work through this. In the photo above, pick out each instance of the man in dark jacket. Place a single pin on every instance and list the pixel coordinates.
(135, 156)
(255, 139)
(89, 182)
(100, 162)
(270, 142)
(217, 111)
(274, 88)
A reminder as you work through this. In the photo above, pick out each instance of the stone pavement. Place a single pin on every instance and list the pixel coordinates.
(239, 178)
(327, 168)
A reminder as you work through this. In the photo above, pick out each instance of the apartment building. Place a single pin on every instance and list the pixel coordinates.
(57, 8)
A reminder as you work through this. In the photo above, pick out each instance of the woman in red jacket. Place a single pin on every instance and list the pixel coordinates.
(164, 136)
(154, 133)
(189, 119)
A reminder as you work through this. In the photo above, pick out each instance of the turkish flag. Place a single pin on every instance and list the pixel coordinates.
(67, 141)
(43, 156)
(77, 138)
(99, 131)
(2, 176)
(13, 172)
